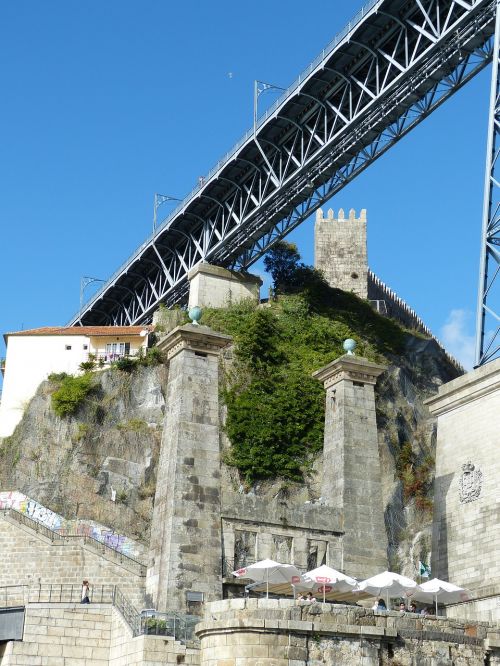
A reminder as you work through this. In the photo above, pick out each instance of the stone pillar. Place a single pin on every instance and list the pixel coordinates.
(186, 539)
(466, 526)
(340, 250)
(351, 464)
(216, 287)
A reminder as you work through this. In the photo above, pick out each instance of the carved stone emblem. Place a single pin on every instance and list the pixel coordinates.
(470, 483)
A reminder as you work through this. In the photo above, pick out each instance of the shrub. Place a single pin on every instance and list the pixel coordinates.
(125, 364)
(133, 425)
(87, 366)
(152, 357)
(57, 377)
(71, 394)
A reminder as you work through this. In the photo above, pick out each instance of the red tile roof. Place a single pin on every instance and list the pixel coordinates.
(85, 330)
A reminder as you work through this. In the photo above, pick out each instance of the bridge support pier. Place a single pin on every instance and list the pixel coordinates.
(186, 533)
(216, 287)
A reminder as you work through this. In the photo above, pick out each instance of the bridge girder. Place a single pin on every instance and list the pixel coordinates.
(399, 62)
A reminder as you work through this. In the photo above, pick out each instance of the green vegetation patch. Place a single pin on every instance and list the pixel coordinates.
(71, 394)
(275, 409)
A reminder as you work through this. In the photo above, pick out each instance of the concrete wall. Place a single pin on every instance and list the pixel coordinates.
(340, 250)
(466, 532)
(29, 360)
(261, 632)
(216, 287)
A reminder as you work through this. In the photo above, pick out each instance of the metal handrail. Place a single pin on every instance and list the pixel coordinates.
(130, 614)
(170, 623)
(33, 524)
(55, 535)
(339, 37)
(69, 593)
(13, 595)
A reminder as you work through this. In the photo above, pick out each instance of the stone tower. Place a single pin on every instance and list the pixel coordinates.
(351, 464)
(186, 538)
(340, 250)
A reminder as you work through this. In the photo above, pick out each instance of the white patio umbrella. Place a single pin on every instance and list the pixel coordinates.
(269, 571)
(440, 590)
(389, 584)
(325, 579)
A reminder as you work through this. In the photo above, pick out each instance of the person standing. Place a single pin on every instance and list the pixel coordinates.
(85, 592)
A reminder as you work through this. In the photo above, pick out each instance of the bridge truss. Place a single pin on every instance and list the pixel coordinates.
(387, 71)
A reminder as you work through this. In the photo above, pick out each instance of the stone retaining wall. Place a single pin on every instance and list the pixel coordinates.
(28, 558)
(271, 632)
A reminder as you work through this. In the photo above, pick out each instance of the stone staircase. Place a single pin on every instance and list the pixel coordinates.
(34, 555)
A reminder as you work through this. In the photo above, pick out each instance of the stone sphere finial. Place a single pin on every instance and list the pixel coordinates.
(195, 314)
(349, 346)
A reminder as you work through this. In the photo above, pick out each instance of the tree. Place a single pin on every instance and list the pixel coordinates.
(282, 262)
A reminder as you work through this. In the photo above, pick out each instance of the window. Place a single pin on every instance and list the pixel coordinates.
(116, 350)
(68, 347)
(85, 347)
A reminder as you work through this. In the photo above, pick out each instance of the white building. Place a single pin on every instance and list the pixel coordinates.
(34, 354)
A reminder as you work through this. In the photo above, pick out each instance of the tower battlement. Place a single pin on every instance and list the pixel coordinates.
(340, 250)
(330, 215)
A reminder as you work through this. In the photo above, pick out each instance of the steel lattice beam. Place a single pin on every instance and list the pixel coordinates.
(488, 316)
(379, 80)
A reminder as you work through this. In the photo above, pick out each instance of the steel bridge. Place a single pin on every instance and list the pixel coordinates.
(394, 63)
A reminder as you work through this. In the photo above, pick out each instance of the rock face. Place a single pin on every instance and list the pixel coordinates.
(112, 443)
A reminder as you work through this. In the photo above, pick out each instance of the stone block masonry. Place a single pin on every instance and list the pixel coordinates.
(94, 635)
(272, 632)
(30, 559)
(351, 464)
(340, 250)
(466, 526)
(186, 538)
(216, 287)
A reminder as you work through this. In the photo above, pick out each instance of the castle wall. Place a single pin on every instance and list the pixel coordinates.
(466, 531)
(340, 250)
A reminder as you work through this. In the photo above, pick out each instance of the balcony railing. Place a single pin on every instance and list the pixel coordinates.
(102, 357)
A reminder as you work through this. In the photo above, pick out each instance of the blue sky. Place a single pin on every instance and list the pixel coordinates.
(106, 103)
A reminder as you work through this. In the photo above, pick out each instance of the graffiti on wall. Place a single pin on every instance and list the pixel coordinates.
(39, 513)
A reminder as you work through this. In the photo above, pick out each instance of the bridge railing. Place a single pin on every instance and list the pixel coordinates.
(55, 536)
(230, 153)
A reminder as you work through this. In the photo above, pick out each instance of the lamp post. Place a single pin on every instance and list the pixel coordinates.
(159, 200)
(84, 283)
(260, 87)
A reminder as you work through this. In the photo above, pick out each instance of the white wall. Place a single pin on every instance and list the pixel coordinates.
(30, 359)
